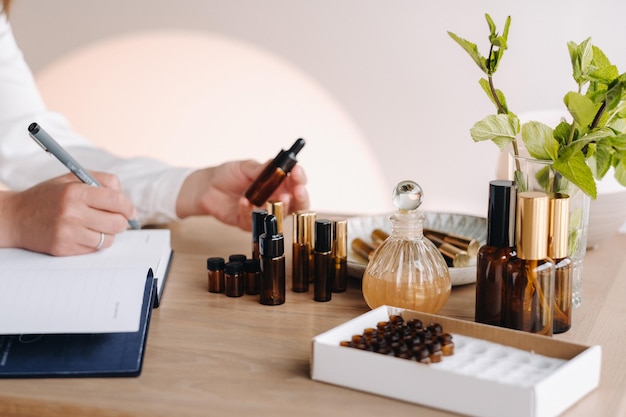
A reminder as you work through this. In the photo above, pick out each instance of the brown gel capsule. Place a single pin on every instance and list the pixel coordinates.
(447, 345)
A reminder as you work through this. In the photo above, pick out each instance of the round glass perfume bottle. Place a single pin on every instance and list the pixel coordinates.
(407, 270)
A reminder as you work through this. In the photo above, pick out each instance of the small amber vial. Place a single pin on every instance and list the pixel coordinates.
(215, 268)
(252, 278)
(233, 279)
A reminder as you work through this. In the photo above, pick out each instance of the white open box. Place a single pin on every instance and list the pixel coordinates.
(428, 385)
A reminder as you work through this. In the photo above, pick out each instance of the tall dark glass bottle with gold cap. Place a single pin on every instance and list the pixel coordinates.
(529, 284)
(493, 257)
(557, 250)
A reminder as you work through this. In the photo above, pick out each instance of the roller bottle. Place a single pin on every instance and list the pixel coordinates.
(493, 257)
(339, 253)
(302, 238)
(272, 288)
(529, 284)
(557, 251)
(323, 280)
(273, 174)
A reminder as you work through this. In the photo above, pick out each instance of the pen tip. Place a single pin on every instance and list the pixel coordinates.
(33, 127)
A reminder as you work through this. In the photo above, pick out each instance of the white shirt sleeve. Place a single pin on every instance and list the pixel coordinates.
(152, 185)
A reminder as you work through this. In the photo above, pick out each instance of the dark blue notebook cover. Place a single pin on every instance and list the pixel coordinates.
(78, 355)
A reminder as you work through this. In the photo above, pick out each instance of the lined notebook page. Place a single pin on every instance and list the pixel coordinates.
(100, 292)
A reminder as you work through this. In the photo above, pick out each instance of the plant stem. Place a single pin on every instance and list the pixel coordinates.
(502, 110)
(596, 119)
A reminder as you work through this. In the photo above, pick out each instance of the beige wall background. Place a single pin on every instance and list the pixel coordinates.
(390, 65)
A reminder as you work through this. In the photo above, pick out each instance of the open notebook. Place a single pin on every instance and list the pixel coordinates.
(102, 292)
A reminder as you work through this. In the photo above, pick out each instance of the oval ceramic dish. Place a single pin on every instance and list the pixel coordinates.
(460, 224)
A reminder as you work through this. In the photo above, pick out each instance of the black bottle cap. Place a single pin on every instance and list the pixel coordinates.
(237, 258)
(258, 223)
(501, 215)
(323, 235)
(214, 264)
(286, 160)
(233, 268)
(271, 243)
(252, 265)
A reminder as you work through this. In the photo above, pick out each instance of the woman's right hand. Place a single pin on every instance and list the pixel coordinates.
(63, 216)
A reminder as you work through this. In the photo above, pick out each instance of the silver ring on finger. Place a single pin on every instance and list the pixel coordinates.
(100, 242)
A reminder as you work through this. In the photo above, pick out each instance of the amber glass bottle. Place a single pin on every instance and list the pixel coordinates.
(302, 238)
(340, 255)
(233, 279)
(272, 248)
(273, 174)
(323, 280)
(494, 255)
(215, 274)
(529, 284)
(557, 250)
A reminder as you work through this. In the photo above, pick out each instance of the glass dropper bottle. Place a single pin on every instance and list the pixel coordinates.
(407, 270)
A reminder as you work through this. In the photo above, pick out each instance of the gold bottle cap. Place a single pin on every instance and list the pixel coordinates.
(276, 208)
(559, 226)
(532, 225)
(340, 239)
(303, 226)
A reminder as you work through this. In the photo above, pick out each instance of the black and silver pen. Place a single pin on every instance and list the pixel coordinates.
(51, 146)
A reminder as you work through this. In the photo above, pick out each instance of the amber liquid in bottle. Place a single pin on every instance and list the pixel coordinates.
(562, 295)
(407, 270)
(493, 257)
(530, 296)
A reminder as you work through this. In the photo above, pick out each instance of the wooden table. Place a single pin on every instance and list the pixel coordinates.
(208, 354)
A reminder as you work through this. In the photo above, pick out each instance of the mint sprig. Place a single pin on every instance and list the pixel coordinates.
(583, 150)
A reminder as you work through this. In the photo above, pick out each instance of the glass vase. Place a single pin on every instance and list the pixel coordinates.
(538, 175)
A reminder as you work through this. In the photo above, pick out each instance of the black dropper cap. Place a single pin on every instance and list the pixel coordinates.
(258, 223)
(501, 214)
(323, 235)
(286, 160)
(271, 243)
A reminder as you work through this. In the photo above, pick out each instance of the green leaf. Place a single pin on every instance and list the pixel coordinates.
(581, 56)
(571, 164)
(539, 141)
(581, 108)
(620, 172)
(498, 128)
(472, 50)
(600, 162)
(561, 133)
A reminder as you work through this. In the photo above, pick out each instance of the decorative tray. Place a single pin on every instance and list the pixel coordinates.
(460, 224)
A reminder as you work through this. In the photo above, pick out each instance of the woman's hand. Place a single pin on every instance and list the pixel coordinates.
(219, 191)
(63, 216)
